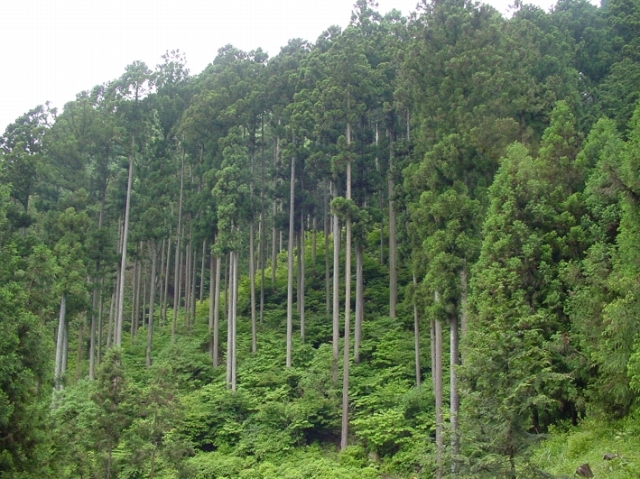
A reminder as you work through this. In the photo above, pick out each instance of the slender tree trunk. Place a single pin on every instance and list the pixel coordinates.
(327, 264)
(178, 259)
(393, 245)
(202, 266)
(211, 302)
(92, 332)
(336, 291)
(65, 348)
(262, 264)
(194, 280)
(80, 347)
(100, 323)
(274, 231)
(234, 356)
(152, 288)
(344, 436)
(216, 315)
(187, 283)
(454, 400)
(252, 282)
(314, 241)
(165, 291)
(57, 375)
(230, 320)
(301, 284)
(416, 332)
(438, 395)
(463, 305)
(359, 304)
(123, 260)
(290, 264)
(110, 328)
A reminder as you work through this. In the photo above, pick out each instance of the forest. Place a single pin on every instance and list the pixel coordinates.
(407, 250)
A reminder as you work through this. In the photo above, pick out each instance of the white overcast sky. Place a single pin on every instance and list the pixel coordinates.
(53, 49)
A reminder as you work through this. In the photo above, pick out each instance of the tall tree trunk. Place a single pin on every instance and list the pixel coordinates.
(216, 315)
(262, 264)
(314, 240)
(110, 328)
(454, 400)
(204, 257)
(438, 395)
(301, 283)
(152, 288)
(274, 257)
(336, 291)
(100, 322)
(234, 356)
(359, 304)
(211, 302)
(229, 294)
(327, 264)
(165, 291)
(92, 332)
(57, 374)
(252, 282)
(187, 282)
(178, 259)
(194, 280)
(274, 231)
(416, 332)
(393, 245)
(463, 305)
(290, 264)
(347, 313)
(123, 260)
(80, 347)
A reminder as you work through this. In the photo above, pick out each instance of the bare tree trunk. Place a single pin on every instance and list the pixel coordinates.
(187, 283)
(178, 259)
(230, 320)
(234, 356)
(301, 284)
(100, 323)
(359, 304)
(290, 264)
(123, 260)
(211, 302)
(216, 315)
(416, 331)
(454, 400)
(80, 347)
(344, 435)
(92, 332)
(165, 291)
(194, 280)
(57, 375)
(438, 395)
(314, 240)
(327, 264)
(204, 257)
(336, 291)
(274, 258)
(154, 259)
(262, 264)
(393, 245)
(252, 282)
(110, 328)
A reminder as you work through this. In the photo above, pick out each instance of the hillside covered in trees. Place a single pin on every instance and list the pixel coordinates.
(409, 249)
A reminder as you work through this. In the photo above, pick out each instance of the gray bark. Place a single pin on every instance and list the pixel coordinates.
(152, 298)
(290, 265)
(58, 370)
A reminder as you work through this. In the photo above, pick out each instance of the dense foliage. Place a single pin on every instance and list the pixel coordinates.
(174, 248)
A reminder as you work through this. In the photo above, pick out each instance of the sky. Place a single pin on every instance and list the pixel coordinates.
(54, 49)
